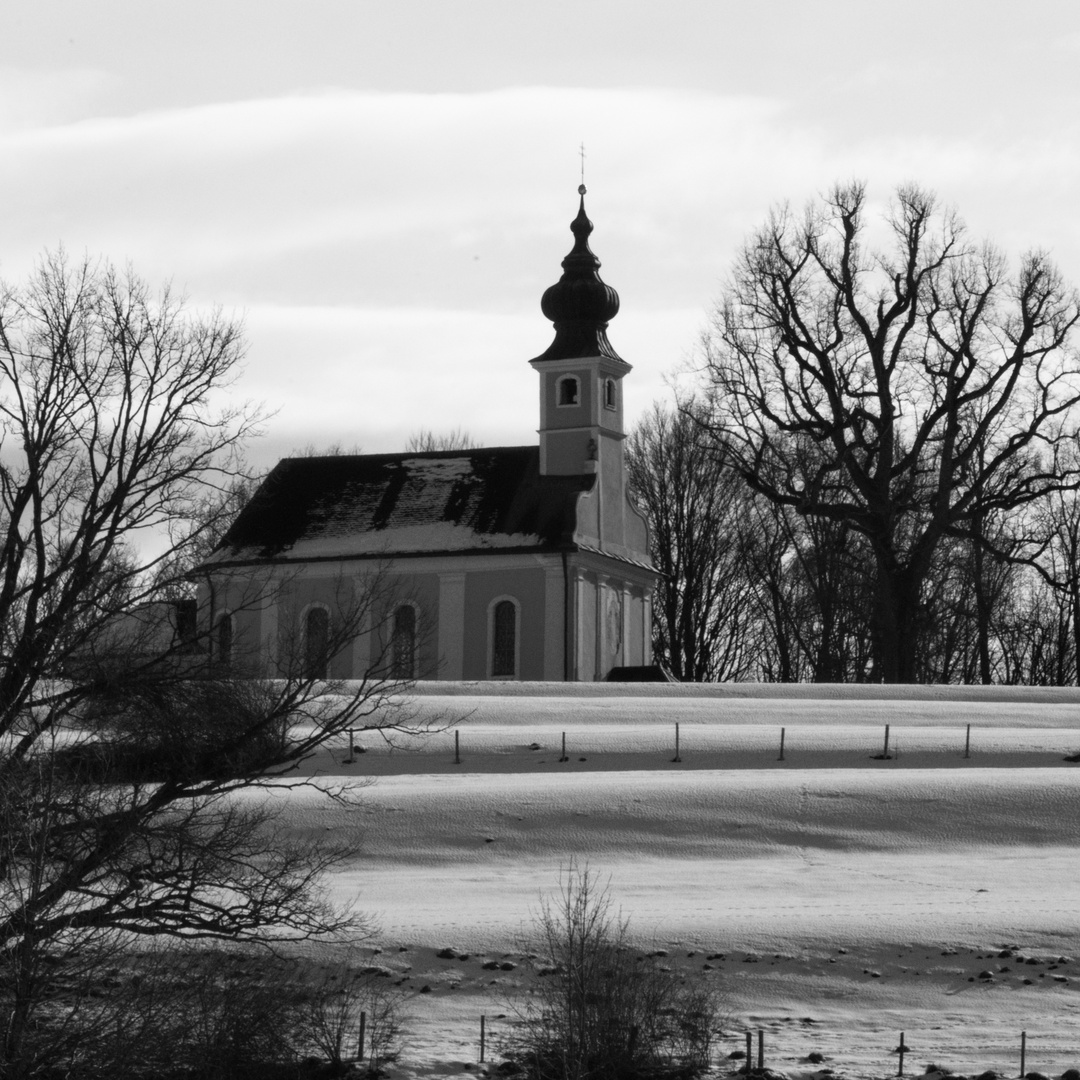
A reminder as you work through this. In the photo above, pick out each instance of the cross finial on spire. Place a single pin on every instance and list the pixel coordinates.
(581, 151)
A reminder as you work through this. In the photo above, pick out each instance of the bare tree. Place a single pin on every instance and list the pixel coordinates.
(1059, 566)
(424, 441)
(900, 381)
(807, 579)
(120, 773)
(697, 510)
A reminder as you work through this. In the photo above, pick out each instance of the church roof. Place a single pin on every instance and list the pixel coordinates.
(381, 505)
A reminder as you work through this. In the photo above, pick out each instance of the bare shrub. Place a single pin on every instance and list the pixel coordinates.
(330, 1018)
(604, 1012)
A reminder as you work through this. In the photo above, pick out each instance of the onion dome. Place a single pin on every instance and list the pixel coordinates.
(579, 303)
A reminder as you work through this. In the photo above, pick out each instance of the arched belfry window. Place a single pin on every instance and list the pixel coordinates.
(568, 390)
(403, 659)
(609, 394)
(316, 642)
(225, 633)
(504, 640)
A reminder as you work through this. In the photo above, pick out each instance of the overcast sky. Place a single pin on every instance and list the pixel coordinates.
(382, 190)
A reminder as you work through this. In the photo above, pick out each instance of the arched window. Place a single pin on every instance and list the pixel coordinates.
(504, 631)
(403, 661)
(609, 393)
(316, 642)
(568, 392)
(225, 639)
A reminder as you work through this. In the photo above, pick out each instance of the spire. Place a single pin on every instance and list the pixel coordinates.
(579, 303)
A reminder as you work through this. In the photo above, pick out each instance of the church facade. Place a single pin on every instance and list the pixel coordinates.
(525, 562)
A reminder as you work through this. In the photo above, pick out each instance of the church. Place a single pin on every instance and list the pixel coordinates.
(515, 563)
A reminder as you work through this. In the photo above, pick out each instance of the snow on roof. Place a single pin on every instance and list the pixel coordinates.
(382, 505)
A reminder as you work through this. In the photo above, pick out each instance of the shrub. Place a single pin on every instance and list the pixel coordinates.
(330, 1020)
(603, 1012)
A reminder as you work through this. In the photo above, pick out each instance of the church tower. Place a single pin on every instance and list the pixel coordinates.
(581, 410)
(609, 578)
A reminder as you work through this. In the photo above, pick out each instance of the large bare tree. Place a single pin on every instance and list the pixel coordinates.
(121, 763)
(697, 510)
(895, 376)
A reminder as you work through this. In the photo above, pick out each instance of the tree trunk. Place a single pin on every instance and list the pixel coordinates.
(982, 617)
(896, 622)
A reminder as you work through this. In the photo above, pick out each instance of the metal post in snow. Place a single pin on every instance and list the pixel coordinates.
(782, 732)
(967, 742)
(886, 754)
(749, 1053)
(902, 1049)
(457, 747)
(676, 757)
(482, 1033)
(760, 1049)
(1023, 1053)
(564, 757)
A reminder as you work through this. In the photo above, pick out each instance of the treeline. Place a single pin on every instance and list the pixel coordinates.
(877, 480)
(756, 591)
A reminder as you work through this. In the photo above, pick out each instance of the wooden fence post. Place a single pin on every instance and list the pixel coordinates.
(967, 742)
(760, 1049)
(564, 757)
(886, 754)
(902, 1048)
(1023, 1053)
(782, 732)
(482, 1034)
(457, 747)
(676, 757)
(749, 1053)
(360, 1041)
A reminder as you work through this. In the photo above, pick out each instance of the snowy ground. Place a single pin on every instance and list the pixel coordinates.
(837, 897)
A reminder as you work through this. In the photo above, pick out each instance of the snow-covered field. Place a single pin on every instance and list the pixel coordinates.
(837, 897)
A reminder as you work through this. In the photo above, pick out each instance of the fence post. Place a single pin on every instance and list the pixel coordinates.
(902, 1048)
(1023, 1053)
(782, 732)
(967, 742)
(886, 754)
(564, 757)
(482, 1034)
(749, 1053)
(360, 1041)
(676, 757)
(760, 1049)
(457, 747)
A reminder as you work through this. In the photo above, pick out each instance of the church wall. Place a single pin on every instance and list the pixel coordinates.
(612, 617)
(242, 598)
(586, 627)
(482, 588)
(567, 452)
(421, 590)
(636, 652)
(337, 594)
(612, 495)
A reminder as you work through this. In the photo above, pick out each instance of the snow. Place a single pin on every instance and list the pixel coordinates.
(847, 877)
(434, 536)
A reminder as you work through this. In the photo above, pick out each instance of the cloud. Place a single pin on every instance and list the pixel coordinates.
(32, 97)
(390, 249)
